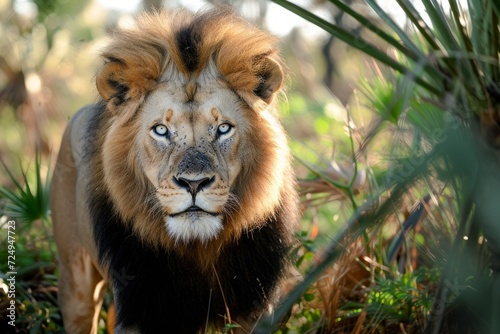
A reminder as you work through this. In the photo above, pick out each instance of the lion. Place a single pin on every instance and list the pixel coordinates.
(175, 189)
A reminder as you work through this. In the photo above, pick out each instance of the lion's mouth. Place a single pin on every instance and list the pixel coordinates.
(193, 209)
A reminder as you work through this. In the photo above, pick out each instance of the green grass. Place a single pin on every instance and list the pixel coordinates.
(26, 206)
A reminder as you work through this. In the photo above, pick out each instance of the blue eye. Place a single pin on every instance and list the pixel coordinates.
(224, 128)
(160, 130)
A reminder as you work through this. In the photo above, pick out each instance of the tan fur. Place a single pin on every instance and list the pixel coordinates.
(145, 80)
(243, 51)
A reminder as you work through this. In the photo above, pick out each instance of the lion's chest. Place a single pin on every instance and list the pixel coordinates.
(160, 289)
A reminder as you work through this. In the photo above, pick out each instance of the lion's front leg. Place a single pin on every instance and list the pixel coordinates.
(81, 292)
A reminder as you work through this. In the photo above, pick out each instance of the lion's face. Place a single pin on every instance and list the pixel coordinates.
(193, 151)
(190, 154)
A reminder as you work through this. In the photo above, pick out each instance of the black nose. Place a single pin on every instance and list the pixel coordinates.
(194, 186)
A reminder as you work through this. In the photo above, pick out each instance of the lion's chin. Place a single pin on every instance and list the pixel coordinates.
(193, 226)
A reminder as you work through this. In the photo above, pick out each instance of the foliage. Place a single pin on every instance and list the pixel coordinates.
(23, 203)
(439, 100)
(33, 252)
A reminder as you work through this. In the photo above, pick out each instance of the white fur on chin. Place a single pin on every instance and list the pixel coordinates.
(193, 226)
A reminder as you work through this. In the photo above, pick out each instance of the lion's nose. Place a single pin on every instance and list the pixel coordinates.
(194, 186)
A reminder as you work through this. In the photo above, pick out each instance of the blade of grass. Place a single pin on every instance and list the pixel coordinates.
(12, 178)
(379, 32)
(440, 25)
(410, 223)
(43, 188)
(414, 53)
(495, 45)
(496, 6)
(355, 42)
(436, 43)
(460, 28)
(394, 26)
(10, 195)
(316, 171)
(475, 79)
(446, 37)
(485, 36)
(491, 40)
(417, 20)
(427, 34)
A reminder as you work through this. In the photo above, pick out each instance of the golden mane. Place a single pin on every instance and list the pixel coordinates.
(247, 58)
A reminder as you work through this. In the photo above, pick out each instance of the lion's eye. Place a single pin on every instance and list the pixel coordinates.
(224, 128)
(160, 130)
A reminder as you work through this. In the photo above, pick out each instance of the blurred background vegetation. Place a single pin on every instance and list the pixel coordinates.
(393, 112)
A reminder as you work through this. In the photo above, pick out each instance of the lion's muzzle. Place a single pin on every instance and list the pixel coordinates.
(195, 196)
(194, 186)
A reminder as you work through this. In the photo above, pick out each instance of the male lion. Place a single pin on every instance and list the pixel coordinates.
(176, 186)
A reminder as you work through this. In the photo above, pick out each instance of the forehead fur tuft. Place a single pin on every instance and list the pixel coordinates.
(245, 56)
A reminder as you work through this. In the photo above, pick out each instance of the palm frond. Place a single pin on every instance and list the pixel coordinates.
(29, 200)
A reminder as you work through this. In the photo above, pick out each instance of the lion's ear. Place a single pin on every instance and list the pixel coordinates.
(271, 78)
(108, 80)
(121, 80)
